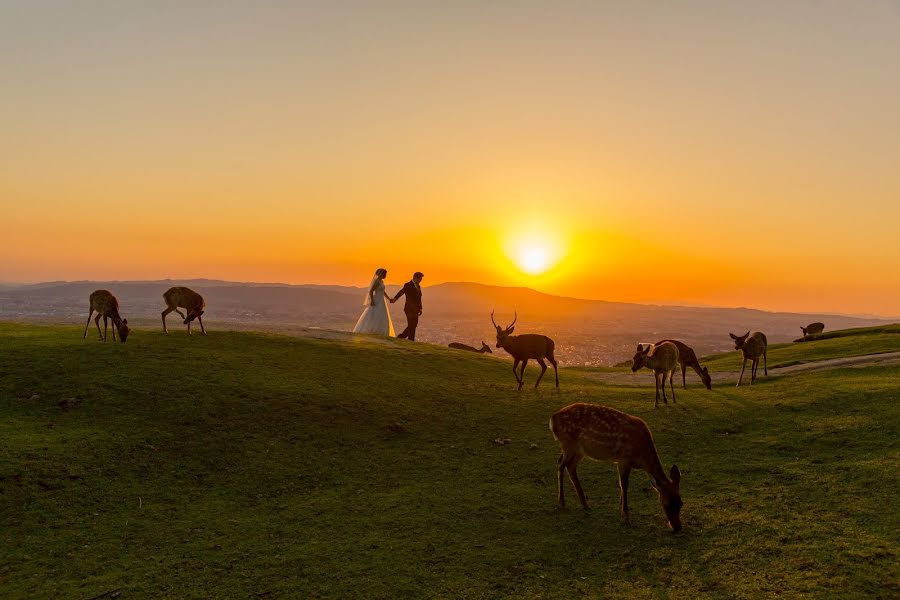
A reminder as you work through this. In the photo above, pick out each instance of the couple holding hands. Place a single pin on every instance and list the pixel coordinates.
(377, 319)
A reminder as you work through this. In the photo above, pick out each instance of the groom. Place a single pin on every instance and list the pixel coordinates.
(413, 307)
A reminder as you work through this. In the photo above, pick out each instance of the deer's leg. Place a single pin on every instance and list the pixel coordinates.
(180, 314)
(88, 324)
(522, 373)
(561, 471)
(189, 328)
(671, 385)
(105, 325)
(753, 365)
(765, 364)
(515, 370)
(683, 377)
(114, 331)
(624, 474)
(572, 467)
(555, 370)
(164, 313)
(543, 370)
(741, 378)
(200, 320)
(656, 384)
(97, 323)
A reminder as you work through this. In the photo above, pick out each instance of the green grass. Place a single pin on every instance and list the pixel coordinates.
(839, 344)
(240, 464)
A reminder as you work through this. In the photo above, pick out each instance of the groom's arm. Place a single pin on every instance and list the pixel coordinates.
(400, 293)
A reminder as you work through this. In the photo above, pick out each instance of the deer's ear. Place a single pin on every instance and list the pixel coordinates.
(734, 337)
(124, 321)
(510, 330)
(640, 348)
(675, 474)
(746, 335)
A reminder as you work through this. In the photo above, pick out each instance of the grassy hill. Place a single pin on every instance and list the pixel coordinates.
(251, 465)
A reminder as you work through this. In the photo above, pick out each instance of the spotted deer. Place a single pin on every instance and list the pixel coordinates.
(688, 358)
(186, 298)
(605, 434)
(752, 347)
(662, 359)
(107, 306)
(813, 329)
(485, 349)
(524, 347)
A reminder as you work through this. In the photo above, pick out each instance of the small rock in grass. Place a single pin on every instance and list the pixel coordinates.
(503, 441)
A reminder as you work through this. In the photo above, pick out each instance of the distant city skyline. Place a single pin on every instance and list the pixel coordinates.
(695, 153)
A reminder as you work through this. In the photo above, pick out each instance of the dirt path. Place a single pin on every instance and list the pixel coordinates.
(645, 377)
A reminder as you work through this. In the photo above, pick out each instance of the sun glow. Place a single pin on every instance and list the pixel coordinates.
(534, 260)
(534, 251)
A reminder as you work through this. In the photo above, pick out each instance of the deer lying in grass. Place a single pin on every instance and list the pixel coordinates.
(688, 358)
(751, 347)
(458, 346)
(605, 434)
(189, 300)
(525, 347)
(662, 359)
(107, 306)
(813, 329)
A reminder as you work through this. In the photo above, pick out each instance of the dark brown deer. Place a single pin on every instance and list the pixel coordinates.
(813, 329)
(605, 434)
(525, 347)
(688, 358)
(458, 346)
(186, 298)
(107, 306)
(662, 359)
(752, 347)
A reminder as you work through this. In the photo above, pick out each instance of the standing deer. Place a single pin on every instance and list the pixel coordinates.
(751, 347)
(190, 301)
(605, 434)
(524, 347)
(813, 329)
(662, 359)
(458, 346)
(688, 358)
(107, 306)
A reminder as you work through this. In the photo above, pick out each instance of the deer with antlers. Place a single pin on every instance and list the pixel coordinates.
(525, 347)
(107, 306)
(605, 434)
(485, 349)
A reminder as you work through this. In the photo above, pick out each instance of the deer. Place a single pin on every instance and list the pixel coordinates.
(186, 298)
(662, 359)
(605, 434)
(107, 306)
(688, 358)
(485, 349)
(813, 329)
(752, 346)
(525, 347)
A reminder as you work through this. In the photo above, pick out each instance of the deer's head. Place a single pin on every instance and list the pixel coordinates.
(485, 347)
(707, 380)
(670, 497)
(124, 330)
(503, 332)
(739, 340)
(192, 315)
(803, 329)
(639, 360)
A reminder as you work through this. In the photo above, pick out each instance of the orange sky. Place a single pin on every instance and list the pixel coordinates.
(739, 155)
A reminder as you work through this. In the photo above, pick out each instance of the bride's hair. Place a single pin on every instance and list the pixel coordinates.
(380, 272)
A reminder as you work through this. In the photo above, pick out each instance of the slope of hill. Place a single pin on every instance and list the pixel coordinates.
(587, 332)
(242, 464)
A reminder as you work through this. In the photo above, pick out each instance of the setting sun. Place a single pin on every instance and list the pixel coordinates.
(534, 260)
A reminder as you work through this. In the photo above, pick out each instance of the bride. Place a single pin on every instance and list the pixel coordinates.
(376, 318)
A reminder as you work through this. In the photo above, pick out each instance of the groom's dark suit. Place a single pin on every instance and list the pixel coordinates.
(412, 308)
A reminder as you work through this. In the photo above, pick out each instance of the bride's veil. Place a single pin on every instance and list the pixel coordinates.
(367, 301)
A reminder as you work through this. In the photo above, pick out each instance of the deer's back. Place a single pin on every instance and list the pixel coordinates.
(601, 433)
(461, 346)
(663, 356)
(755, 346)
(529, 345)
(815, 328)
(104, 302)
(183, 297)
(686, 354)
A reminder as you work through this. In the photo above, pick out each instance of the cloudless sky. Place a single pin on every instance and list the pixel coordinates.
(730, 153)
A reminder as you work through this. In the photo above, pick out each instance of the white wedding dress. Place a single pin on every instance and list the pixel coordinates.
(376, 318)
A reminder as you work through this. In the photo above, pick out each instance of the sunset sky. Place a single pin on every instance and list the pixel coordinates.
(735, 154)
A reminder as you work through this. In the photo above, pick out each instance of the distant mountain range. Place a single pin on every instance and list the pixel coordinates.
(586, 331)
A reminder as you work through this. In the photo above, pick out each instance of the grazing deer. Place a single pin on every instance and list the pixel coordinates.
(524, 347)
(662, 359)
(458, 346)
(751, 347)
(605, 434)
(107, 306)
(190, 301)
(688, 358)
(813, 329)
